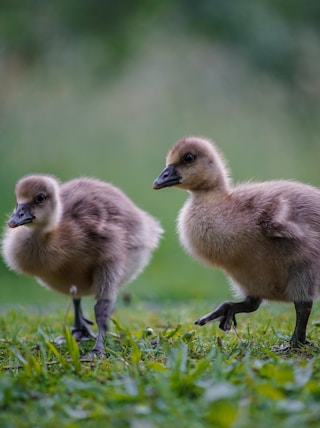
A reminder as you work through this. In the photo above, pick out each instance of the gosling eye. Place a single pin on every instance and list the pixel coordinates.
(189, 158)
(40, 198)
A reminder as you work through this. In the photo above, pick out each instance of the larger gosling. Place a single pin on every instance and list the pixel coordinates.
(265, 236)
(84, 236)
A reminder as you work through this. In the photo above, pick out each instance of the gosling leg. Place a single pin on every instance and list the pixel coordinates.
(303, 310)
(81, 330)
(225, 313)
(103, 309)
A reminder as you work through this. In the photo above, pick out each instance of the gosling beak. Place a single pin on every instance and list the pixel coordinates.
(168, 177)
(20, 216)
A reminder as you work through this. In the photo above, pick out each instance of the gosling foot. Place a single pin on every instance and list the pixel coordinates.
(81, 330)
(224, 313)
(81, 333)
(292, 346)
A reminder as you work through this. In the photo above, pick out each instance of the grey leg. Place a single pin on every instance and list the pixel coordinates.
(225, 313)
(303, 310)
(107, 280)
(103, 309)
(80, 329)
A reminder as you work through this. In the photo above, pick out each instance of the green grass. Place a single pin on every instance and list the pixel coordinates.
(160, 370)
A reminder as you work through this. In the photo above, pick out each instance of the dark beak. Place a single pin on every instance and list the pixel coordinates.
(20, 216)
(168, 177)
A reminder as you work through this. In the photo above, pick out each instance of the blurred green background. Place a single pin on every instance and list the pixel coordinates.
(104, 88)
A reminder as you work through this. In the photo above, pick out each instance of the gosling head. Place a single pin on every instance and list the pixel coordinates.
(38, 203)
(194, 164)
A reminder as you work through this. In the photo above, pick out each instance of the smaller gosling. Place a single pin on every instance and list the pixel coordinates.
(265, 236)
(84, 236)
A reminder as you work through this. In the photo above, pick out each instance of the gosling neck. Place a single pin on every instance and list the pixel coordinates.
(219, 187)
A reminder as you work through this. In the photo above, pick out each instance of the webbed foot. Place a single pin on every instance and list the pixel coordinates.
(291, 347)
(224, 313)
(79, 333)
(83, 332)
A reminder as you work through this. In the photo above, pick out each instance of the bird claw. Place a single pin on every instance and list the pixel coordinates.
(88, 321)
(227, 321)
(79, 333)
(282, 349)
(224, 313)
(82, 333)
(202, 321)
(291, 347)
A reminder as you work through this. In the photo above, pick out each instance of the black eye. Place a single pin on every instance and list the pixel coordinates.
(39, 199)
(189, 158)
